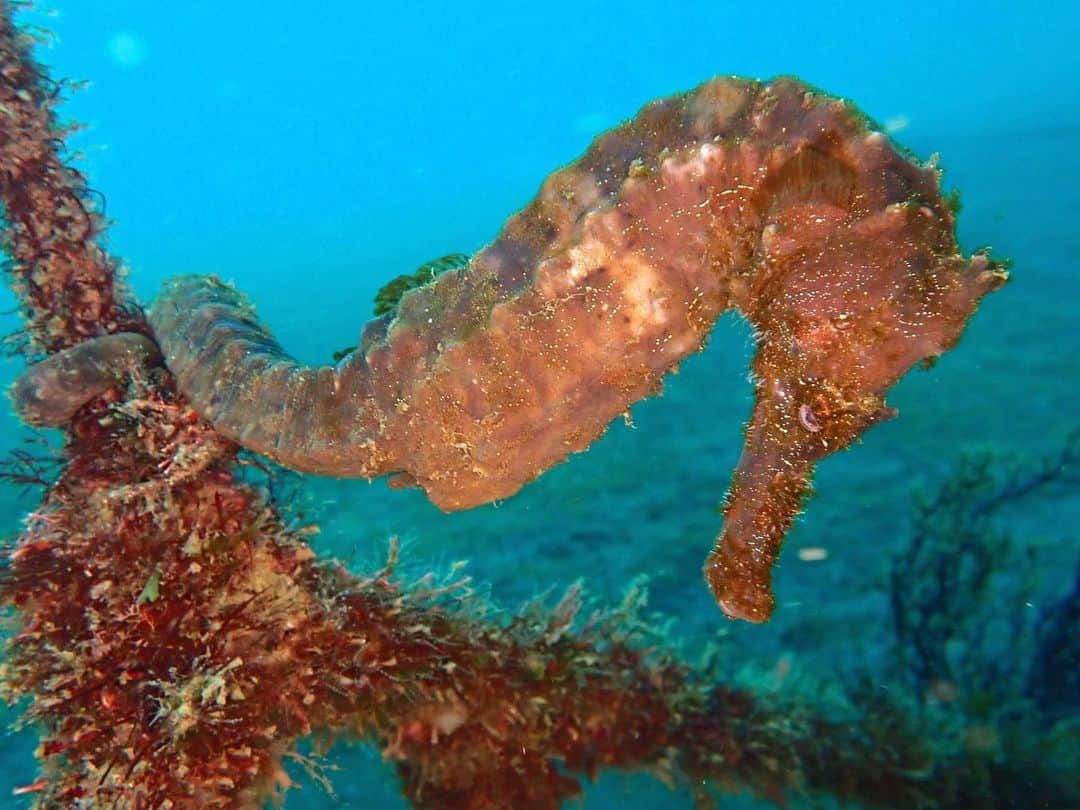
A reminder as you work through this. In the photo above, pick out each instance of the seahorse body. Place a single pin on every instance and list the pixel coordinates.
(770, 198)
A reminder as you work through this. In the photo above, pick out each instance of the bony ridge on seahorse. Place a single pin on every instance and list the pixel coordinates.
(769, 198)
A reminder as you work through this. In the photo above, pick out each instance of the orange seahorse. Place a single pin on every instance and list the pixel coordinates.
(771, 198)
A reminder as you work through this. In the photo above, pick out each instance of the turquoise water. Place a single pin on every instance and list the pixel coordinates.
(311, 155)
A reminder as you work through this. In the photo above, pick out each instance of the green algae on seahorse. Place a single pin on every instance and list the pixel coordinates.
(389, 295)
(387, 298)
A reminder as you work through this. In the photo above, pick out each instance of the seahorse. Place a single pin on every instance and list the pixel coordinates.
(770, 198)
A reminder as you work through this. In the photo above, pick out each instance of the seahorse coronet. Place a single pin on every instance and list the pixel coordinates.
(770, 198)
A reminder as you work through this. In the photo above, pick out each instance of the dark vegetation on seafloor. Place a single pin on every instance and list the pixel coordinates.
(174, 637)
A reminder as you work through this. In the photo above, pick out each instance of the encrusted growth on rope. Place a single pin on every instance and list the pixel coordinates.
(67, 284)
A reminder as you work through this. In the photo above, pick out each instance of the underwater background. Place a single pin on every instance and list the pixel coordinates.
(310, 152)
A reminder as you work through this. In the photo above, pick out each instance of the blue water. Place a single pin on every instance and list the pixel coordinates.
(309, 152)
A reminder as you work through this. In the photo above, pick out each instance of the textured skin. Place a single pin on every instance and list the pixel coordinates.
(769, 198)
(51, 391)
